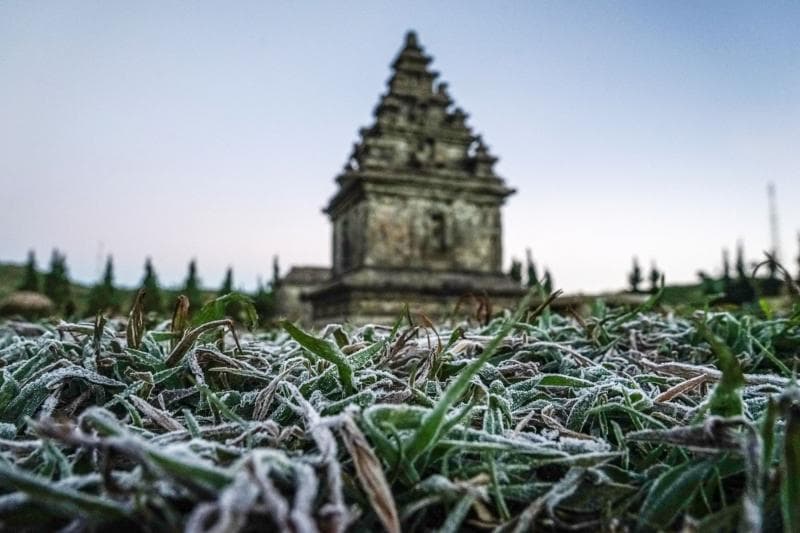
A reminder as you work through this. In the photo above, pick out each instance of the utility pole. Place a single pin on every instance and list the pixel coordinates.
(773, 222)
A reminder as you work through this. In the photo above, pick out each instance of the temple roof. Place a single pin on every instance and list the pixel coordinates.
(417, 129)
(307, 275)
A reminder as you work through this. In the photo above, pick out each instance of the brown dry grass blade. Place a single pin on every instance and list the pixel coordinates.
(135, 329)
(680, 388)
(180, 319)
(483, 314)
(538, 311)
(427, 323)
(159, 417)
(791, 284)
(401, 341)
(99, 324)
(177, 353)
(370, 475)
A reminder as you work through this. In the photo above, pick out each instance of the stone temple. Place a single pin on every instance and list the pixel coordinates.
(417, 215)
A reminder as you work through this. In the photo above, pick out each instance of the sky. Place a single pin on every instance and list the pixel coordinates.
(214, 130)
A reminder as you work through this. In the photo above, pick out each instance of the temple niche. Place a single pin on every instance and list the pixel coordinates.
(417, 215)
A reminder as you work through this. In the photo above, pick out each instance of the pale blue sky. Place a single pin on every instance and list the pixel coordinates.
(214, 130)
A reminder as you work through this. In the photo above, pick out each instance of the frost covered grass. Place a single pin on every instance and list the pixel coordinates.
(615, 421)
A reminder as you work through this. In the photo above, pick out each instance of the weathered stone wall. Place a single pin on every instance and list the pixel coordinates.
(414, 232)
(292, 288)
(385, 307)
(290, 305)
(400, 152)
(349, 239)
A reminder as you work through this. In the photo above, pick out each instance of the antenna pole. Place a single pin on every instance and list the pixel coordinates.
(773, 222)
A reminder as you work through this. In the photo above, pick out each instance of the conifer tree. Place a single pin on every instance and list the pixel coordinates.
(56, 281)
(264, 302)
(276, 272)
(726, 265)
(741, 268)
(772, 285)
(191, 288)
(227, 283)
(772, 266)
(31, 280)
(233, 309)
(635, 277)
(655, 277)
(516, 271)
(742, 289)
(547, 282)
(798, 259)
(103, 296)
(533, 278)
(153, 300)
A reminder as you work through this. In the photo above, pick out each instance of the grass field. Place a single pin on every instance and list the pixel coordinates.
(621, 420)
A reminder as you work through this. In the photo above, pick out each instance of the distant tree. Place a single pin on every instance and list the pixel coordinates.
(233, 309)
(191, 288)
(655, 277)
(530, 267)
(726, 265)
(547, 282)
(772, 285)
(798, 259)
(741, 290)
(31, 280)
(56, 282)
(264, 302)
(276, 272)
(153, 299)
(772, 266)
(706, 282)
(516, 271)
(741, 267)
(103, 297)
(227, 283)
(635, 277)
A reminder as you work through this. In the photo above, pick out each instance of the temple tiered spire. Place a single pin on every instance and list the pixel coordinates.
(417, 128)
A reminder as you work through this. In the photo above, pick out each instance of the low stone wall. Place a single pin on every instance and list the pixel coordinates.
(375, 307)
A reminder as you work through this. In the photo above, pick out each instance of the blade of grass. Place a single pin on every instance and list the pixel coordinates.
(326, 350)
(430, 430)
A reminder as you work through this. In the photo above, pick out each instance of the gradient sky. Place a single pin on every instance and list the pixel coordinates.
(214, 130)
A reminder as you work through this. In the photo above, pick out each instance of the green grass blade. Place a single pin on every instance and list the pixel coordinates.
(430, 430)
(671, 493)
(326, 350)
(790, 460)
(62, 500)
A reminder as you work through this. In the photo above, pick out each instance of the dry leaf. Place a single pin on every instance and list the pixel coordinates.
(370, 475)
